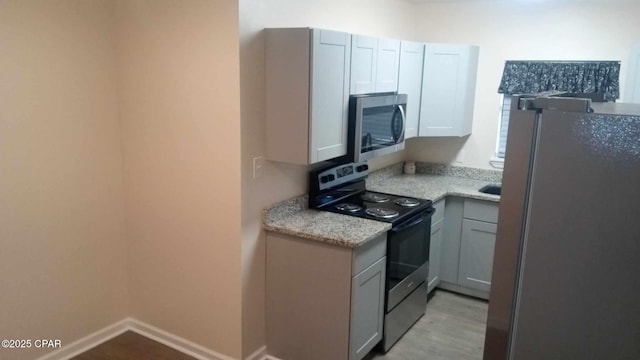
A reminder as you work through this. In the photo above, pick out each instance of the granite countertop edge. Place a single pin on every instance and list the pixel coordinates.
(348, 243)
(330, 228)
(292, 216)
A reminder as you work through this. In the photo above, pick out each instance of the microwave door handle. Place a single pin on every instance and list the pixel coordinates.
(404, 123)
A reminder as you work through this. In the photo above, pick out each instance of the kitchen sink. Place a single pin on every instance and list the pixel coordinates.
(491, 189)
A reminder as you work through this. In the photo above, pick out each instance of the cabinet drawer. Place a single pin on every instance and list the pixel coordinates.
(369, 253)
(481, 210)
(439, 214)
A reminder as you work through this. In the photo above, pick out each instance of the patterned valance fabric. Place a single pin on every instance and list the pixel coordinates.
(525, 77)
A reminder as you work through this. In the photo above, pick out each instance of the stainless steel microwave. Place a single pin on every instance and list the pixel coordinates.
(376, 124)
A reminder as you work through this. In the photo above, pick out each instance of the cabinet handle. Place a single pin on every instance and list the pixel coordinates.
(410, 284)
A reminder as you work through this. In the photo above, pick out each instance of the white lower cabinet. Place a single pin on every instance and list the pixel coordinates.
(435, 247)
(468, 244)
(323, 301)
(434, 255)
(476, 254)
(367, 309)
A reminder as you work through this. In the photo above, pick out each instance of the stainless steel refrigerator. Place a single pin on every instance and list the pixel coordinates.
(566, 273)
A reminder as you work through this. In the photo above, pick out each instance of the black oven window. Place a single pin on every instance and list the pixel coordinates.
(407, 251)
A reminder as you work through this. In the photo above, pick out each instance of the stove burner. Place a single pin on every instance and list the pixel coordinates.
(348, 207)
(382, 213)
(407, 202)
(376, 198)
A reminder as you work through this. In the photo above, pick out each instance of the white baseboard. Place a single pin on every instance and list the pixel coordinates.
(79, 346)
(173, 341)
(269, 357)
(260, 354)
(129, 324)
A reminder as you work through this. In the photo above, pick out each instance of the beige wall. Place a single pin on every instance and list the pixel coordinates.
(90, 90)
(62, 256)
(390, 18)
(102, 101)
(519, 30)
(180, 114)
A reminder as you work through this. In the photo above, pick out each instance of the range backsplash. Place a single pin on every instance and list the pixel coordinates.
(494, 176)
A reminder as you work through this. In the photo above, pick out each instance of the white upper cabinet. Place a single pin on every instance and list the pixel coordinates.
(374, 64)
(410, 83)
(307, 94)
(388, 65)
(329, 95)
(448, 90)
(310, 74)
(364, 51)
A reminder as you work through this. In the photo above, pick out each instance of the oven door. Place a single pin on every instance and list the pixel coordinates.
(377, 124)
(407, 257)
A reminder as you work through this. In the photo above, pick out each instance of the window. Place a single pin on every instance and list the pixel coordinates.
(504, 127)
(632, 92)
(529, 77)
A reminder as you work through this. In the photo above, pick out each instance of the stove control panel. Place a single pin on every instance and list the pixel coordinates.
(341, 174)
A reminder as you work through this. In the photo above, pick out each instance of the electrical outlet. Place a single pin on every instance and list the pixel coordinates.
(258, 166)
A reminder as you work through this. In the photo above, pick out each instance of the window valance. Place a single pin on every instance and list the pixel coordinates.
(522, 77)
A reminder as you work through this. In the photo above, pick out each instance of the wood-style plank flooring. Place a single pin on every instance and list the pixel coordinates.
(451, 329)
(131, 346)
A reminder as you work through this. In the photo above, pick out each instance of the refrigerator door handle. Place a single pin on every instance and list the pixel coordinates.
(539, 103)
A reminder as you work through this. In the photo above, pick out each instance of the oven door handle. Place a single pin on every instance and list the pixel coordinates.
(418, 220)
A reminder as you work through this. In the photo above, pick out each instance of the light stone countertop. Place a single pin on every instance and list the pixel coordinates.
(432, 182)
(433, 187)
(292, 217)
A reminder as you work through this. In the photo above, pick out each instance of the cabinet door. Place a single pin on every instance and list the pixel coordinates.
(330, 64)
(364, 60)
(450, 260)
(388, 65)
(435, 254)
(288, 76)
(367, 309)
(448, 90)
(410, 83)
(476, 254)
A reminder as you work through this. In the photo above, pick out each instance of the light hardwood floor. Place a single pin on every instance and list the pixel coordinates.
(452, 329)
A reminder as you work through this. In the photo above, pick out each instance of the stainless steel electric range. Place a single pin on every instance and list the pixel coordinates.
(341, 189)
